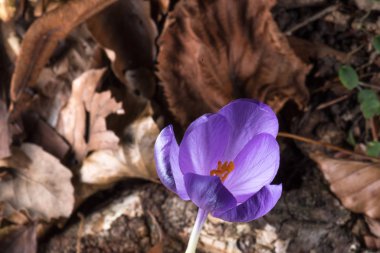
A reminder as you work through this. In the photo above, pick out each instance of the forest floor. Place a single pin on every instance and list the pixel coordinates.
(118, 205)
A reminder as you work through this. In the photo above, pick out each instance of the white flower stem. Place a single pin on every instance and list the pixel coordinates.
(194, 237)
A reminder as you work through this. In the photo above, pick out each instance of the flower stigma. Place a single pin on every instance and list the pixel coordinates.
(223, 170)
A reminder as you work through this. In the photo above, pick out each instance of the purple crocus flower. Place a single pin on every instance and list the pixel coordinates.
(224, 164)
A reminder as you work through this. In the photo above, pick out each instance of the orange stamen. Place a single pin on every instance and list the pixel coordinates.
(223, 170)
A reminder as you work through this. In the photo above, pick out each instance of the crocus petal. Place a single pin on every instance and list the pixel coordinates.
(247, 118)
(255, 166)
(204, 146)
(166, 156)
(202, 119)
(208, 193)
(255, 207)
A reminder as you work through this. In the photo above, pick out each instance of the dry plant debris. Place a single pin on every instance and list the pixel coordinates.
(72, 119)
(214, 51)
(37, 183)
(133, 159)
(356, 184)
(127, 33)
(43, 36)
(79, 64)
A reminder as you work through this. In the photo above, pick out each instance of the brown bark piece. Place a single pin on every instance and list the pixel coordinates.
(214, 51)
(300, 221)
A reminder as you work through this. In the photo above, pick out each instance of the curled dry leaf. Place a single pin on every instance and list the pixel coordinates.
(18, 239)
(214, 51)
(5, 135)
(43, 36)
(72, 119)
(356, 184)
(134, 158)
(127, 33)
(36, 183)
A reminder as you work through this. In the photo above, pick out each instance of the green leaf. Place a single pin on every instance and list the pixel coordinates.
(373, 148)
(369, 103)
(348, 77)
(376, 43)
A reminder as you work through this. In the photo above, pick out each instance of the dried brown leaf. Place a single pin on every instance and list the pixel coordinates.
(214, 51)
(18, 239)
(134, 158)
(37, 183)
(5, 135)
(42, 38)
(72, 119)
(41, 133)
(127, 32)
(356, 184)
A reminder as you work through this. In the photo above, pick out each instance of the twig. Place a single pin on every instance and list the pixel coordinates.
(326, 145)
(80, 233)
(353, 52)
(332, 102)
(312, 19)
(366, 85)
(373, 129)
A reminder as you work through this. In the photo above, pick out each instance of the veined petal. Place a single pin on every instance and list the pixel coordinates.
(255, 207)
(204, 146)
(255, 166)
(166, 153)
(247, 118)
(202, 119)
(208, 193)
